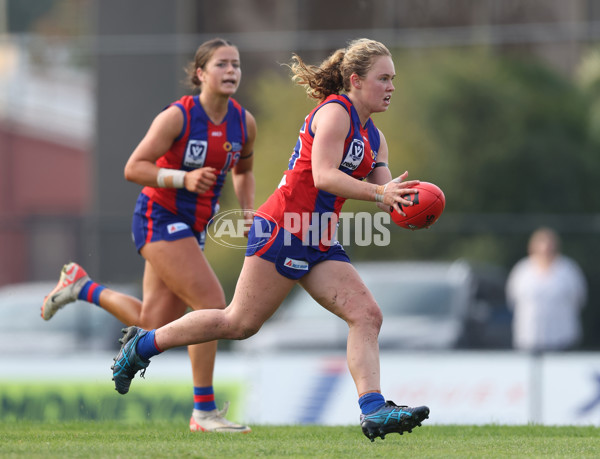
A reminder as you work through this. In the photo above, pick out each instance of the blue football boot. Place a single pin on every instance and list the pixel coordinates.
(127, 361)
(392, 418)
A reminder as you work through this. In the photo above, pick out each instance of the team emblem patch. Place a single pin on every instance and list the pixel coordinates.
(195, 153)
(355, 155)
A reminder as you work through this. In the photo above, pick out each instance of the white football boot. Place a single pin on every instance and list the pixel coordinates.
(214, 421)
(72, 279)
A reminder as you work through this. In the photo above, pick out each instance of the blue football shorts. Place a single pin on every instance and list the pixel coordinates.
(292, 258)
(151, 222)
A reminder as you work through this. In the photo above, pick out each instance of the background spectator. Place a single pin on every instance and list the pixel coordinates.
(546, 291)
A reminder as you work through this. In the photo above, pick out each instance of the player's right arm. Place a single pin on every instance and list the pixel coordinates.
(141, 167)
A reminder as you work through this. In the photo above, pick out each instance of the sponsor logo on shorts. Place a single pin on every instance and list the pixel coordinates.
(296, 264)
(175, 227)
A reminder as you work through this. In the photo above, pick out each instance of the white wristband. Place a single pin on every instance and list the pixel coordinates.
(170, 178)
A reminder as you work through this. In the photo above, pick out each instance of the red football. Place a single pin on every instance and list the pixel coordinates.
(428, 205)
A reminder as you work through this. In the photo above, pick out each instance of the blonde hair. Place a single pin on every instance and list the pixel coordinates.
(203, 54)
(333, 75)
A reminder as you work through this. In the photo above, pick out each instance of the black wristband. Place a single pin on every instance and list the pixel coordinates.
(381, 164)
(247, 156)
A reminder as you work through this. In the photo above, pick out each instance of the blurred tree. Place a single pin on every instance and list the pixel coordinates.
(497, 134)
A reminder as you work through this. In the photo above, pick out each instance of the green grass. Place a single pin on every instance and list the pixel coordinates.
(171, 439)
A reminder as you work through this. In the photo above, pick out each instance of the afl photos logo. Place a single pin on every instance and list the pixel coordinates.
(355, 155)
(230, 229)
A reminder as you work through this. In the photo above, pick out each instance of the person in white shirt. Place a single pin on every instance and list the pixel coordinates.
(546, 291)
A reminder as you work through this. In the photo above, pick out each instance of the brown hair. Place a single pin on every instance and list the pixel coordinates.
(333, 75)
(203, 54)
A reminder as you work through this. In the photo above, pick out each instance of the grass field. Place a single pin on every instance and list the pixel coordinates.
(171, 439)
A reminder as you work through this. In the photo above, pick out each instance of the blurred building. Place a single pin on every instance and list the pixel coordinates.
(46, 138)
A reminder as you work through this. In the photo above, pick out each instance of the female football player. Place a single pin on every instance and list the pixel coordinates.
(182, 163)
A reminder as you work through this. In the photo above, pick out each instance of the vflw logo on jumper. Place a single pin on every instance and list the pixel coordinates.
(295, 264)
(355, 155)
(195, 153)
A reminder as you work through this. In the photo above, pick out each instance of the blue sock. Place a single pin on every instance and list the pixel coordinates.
(146, 346)
(204, 398)
(90, 292)
(370, 402)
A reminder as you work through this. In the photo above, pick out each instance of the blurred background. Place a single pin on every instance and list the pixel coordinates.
(497, 102)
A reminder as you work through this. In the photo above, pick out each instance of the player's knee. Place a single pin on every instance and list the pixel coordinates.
(367, 315)
(249, 331)
(376, 317)
(245, 331)
(239, 324)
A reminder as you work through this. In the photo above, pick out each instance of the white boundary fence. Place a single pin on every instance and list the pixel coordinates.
(459, 387)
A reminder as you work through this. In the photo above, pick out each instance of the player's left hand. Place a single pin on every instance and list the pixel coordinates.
(394, 193)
